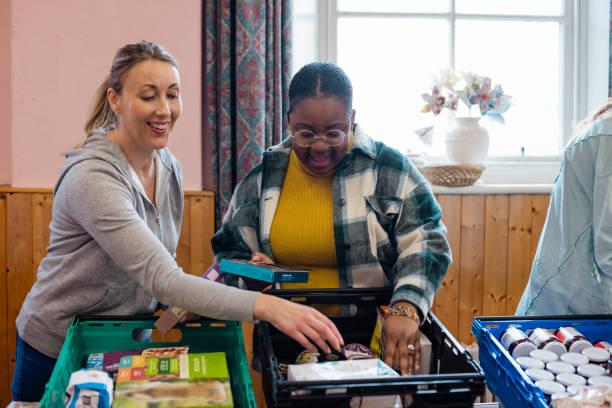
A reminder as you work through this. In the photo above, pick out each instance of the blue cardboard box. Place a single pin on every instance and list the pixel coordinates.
(264, 272)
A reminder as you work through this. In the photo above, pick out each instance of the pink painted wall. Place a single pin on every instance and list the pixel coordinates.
(61, 51)
(5, 92)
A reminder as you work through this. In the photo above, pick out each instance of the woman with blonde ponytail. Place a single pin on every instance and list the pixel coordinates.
(117, 212)
(572, 269)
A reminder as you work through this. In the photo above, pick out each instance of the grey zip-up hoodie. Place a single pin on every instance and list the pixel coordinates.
(111, 251)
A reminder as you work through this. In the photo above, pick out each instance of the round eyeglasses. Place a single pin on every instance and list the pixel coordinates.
(306, 138)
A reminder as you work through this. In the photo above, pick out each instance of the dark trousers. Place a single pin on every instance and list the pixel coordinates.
(32, 372)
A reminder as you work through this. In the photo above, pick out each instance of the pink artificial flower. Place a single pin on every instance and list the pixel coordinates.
(435, 101)
(488, 99)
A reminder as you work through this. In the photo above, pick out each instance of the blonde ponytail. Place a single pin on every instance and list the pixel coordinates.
(101, 117)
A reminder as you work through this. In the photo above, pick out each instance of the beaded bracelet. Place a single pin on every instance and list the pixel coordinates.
(406, 311)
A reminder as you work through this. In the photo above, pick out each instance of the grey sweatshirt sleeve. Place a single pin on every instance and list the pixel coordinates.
(101, 202)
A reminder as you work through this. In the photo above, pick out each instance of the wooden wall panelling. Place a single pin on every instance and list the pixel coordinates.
(41, 218)
(20, 276)
(183, 249)
(446, 303)
(4, 333)
(493, 239)
(471, 270)
(495, 255)
(539, 210)
(519, 248)
(202, 229)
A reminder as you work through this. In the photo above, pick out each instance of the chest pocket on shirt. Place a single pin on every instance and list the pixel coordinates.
(381, 214)
(246, 221)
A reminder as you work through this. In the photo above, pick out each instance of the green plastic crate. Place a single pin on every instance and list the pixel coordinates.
(98, 334)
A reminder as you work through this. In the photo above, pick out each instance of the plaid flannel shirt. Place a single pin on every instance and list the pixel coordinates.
(387, 223)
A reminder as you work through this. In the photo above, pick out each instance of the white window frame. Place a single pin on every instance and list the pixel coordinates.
(584, 34)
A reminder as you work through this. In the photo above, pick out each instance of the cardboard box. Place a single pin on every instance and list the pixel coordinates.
(186, 380)
(264, 272)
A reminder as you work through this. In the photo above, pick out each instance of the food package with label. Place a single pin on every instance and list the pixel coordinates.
(186, 380)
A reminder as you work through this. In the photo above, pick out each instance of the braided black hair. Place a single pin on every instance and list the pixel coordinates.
(320, 79)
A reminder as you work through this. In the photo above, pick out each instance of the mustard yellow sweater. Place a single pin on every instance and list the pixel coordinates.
(302, 234)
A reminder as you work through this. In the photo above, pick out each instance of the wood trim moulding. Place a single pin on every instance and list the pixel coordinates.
(46, 190)
(26, 190)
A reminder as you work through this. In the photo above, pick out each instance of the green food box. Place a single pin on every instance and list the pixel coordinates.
(194, 380)
(96, 334)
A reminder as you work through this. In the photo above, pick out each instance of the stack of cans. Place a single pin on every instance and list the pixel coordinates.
(561, 362)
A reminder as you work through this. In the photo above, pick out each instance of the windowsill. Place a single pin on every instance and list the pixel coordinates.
(481, 188)
(510, 177)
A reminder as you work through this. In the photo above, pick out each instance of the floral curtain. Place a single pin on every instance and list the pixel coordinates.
(247, 63)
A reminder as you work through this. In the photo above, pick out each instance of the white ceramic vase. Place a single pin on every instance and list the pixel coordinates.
(467, 142)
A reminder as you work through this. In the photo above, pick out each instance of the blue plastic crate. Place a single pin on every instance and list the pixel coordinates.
(504, 377)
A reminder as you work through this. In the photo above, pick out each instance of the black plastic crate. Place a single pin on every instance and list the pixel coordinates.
(454, 380)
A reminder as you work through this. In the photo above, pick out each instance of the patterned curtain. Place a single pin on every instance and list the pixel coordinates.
(247, 71)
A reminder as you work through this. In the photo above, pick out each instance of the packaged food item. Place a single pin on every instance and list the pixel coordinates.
(574, 359)
(94, 361)
(333, 356)
(340, 370)
(529, 362)
(572, 339)
(356, 351)
(537, 374)
(558, 396)
(568, 379)
(109, 361)
(600, 380)
(558, 367)
(543, 355)
(89, 388)
(575, 389)
(544, 339)
(582, 397)
(590, 370)
(282, 370)
(270, 273)
(604, 345)
(186, 380)
(307, 356)
(550, 387)
(597, 356)
(516, 342)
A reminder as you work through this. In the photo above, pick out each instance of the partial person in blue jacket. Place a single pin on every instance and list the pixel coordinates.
(572, 269)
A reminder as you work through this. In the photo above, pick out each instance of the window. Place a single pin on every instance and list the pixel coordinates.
(550, 55)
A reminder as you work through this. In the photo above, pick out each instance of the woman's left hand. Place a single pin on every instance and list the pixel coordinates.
(400, 336)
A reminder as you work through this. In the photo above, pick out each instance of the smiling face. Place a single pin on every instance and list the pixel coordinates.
(319, 115)
(148, 105)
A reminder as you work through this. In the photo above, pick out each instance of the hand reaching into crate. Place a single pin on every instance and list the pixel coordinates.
(302, 323)
(400, 337)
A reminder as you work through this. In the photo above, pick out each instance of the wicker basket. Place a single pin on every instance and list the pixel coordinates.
(452, 174)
